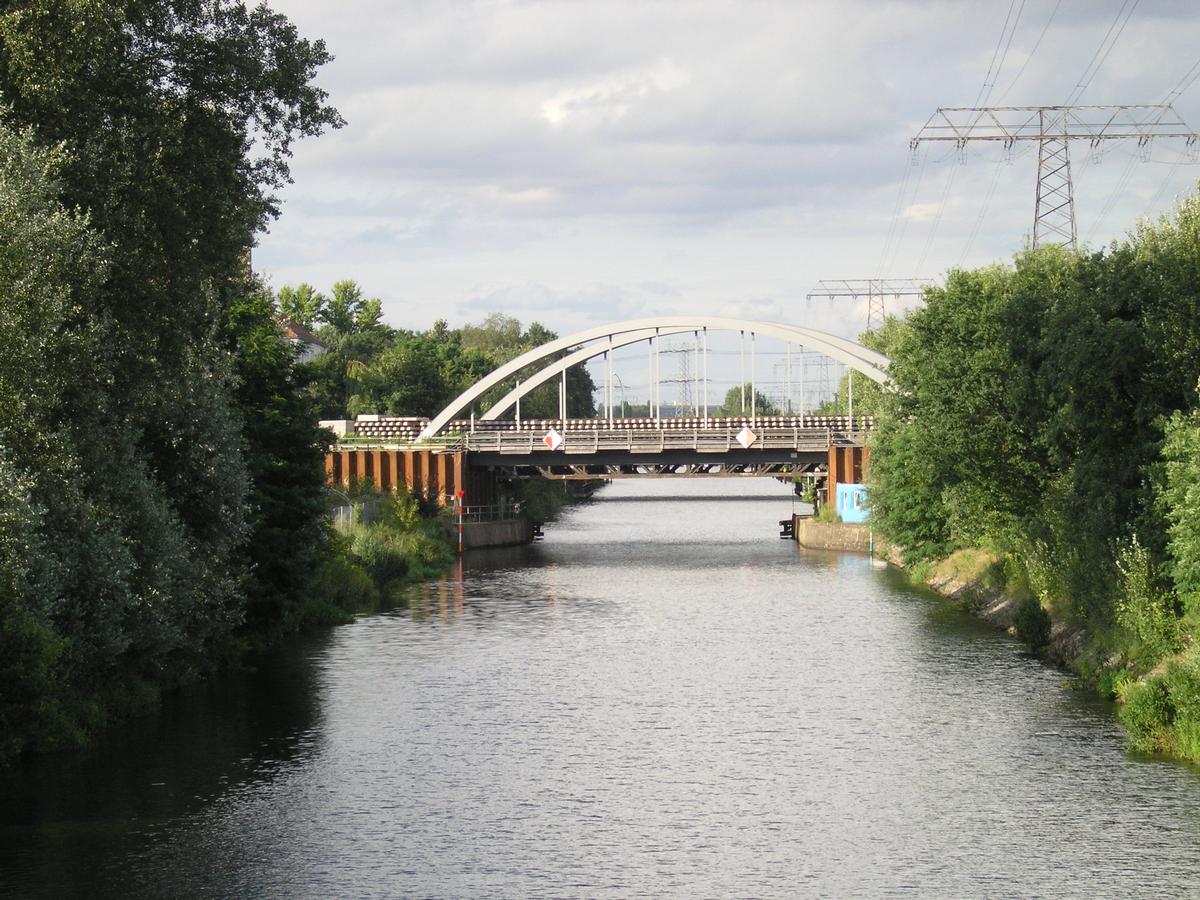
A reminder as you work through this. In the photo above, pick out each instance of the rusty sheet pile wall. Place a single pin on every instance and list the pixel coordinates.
(431, 475)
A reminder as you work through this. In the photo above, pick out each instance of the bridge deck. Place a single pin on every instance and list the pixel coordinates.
(621, 441)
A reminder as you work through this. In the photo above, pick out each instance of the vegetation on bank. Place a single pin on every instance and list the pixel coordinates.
(397, 544)
(1047, 412)
(160, 468)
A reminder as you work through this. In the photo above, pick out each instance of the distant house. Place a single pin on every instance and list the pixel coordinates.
(308, 345)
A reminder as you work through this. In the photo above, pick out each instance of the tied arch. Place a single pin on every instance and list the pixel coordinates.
(867, 362)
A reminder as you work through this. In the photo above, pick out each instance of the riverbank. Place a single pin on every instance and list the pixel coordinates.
(1158, 702)
(979, 580)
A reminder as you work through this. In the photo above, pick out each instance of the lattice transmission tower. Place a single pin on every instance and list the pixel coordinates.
(874, 289)
(1054, 127)
(687, 376)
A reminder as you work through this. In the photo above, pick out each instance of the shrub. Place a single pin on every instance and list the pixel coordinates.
(1162, 712)
(1033, 624)
(1149, 628)
(380, 551)
(828, 514)
(1148, 715)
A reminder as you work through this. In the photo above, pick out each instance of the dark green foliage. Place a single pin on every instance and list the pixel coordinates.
(739, 400)
(1179, 503)
(1032, 624)
(1162, 712)
(541, 500)
(1027, 413)
(284, 455)
(399, 545)
(1049, 411)
(375, 369)
(132, 479)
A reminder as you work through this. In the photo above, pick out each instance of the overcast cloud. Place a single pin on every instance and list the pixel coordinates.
(578, 162)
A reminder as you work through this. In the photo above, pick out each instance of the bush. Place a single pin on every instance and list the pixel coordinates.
(341, 589)
(1162, 712)
(1148, 715)
(378, 550)
(1033, 624)
(1148, 627)
(829, 515)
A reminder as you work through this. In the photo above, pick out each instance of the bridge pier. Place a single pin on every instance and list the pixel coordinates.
(431, 475)
(847, 465)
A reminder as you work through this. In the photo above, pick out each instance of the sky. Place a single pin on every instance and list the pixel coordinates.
(583, 162)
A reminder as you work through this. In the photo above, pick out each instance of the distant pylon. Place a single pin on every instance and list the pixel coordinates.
(874, 289)
(686, 400)
(1054, 127)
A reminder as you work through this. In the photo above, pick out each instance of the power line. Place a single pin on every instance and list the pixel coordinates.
(1098, 57)
(1188, 79)
(1111, 202)
(1036, 44)
(874, 289)
(904, 222)
(1185, 82)
(887, 243)
(937, 219)
(1153, 204)
(987, 202)
(989, 80)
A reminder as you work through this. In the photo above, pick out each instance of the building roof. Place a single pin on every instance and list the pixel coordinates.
(298, 334)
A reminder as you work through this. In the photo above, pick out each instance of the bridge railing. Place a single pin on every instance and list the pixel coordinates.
(518, 443)
(492, 512)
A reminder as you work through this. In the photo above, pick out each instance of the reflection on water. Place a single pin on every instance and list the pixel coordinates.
(662, 698)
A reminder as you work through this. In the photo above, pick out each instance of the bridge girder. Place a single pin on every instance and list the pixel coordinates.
(867, 362)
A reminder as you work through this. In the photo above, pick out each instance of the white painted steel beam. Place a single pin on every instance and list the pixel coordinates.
(857, 357)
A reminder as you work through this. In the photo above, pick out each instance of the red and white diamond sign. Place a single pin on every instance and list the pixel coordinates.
(553, 439)
(746, 437)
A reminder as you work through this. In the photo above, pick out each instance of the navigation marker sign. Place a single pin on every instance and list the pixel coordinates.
(553, 439)
(746, 437)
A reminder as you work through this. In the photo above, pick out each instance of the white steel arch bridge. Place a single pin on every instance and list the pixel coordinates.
(602, 340)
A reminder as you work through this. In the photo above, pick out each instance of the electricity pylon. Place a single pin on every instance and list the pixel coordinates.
(1054, 127)
(874, 289)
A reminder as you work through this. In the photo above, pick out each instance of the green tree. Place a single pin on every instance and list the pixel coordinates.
(178, 118)
(348, 311)
(303, 304)
(950, 442)
(733, 403)
(284, 452)
(50, 263)
(1179, 502)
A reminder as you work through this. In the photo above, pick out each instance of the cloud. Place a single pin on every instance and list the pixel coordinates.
(574, 161)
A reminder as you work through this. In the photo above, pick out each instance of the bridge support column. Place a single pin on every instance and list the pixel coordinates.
(847, 465)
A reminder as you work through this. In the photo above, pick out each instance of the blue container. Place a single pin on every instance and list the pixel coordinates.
(852, 502)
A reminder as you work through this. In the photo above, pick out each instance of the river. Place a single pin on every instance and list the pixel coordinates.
(661, 699)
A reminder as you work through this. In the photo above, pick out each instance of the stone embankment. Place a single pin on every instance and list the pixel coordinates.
(507, 533)
(831, 535)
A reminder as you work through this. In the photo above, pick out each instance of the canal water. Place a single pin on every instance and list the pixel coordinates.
(662, 699)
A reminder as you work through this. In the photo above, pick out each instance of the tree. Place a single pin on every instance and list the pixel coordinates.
(50, 262)
(178, 118)
(284, 452)
(733, 406)
(302, 304)
(348, 312)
